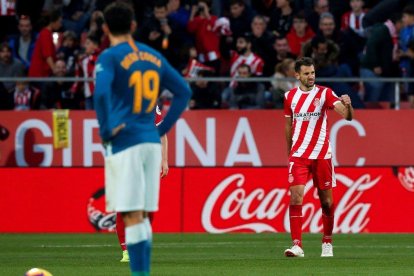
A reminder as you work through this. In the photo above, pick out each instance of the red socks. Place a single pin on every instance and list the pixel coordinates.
(328, 223)
(295, 216)
(120, 231)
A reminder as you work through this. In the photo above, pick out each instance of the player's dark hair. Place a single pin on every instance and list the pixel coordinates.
(237, 2)
(54, 15)
(409, 9)
(119, 16)
(305, 61)
(160, 4)
(92, 36)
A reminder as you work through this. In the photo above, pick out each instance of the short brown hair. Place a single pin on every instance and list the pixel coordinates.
(305, 61)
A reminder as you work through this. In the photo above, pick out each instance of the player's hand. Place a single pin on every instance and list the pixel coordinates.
(164, 168)
(117, 129)
(154, 35)
(346, 100)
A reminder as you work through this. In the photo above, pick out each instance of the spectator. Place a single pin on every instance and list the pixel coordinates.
(299, 34)
(325, 53)
(283, 70)
(58, 94)
(44, 54)
(262, 43)
(9, 66)
(281, 46)
(380, 59)
(406, 35)
(7, 18)
(23, 44)
(22, 97)
(207, 41)
(75, 15)
(282, 18)
(350, 43)
(158, 32)
(86, 69)
(240, 18)
(206, 95)
(179, 16)
(353, 19)
(247, 95)
(319, 7)
(410, 54)
(244, 55)
(69, 50)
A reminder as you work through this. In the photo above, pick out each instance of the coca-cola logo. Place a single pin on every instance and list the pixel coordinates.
(257, 210)
(407, 178)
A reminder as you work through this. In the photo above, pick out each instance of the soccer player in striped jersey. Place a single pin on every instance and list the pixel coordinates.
(128, 79)
(310, 152)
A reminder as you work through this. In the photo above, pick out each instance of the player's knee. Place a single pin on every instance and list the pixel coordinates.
(326, 206)
(296, 197)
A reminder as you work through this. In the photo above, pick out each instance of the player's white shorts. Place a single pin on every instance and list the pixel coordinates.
(132, 178)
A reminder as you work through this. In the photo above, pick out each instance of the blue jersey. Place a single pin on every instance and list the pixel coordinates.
(128, 80)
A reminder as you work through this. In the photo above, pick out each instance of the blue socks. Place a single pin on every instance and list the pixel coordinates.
(139, 248)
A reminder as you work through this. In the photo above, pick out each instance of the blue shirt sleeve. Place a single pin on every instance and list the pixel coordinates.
(105, 71)
(176, 84)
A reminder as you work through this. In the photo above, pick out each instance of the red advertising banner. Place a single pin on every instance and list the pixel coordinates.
(228, 200)
(223, 138)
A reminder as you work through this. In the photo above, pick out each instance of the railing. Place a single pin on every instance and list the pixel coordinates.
(397, 81)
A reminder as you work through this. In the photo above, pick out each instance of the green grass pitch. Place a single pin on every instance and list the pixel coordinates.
(206, 254)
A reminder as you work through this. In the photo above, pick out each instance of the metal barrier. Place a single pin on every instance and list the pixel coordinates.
(397, 81)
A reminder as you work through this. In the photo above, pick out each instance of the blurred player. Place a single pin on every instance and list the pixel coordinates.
(309, 150)
(128, 79)
(120, 225)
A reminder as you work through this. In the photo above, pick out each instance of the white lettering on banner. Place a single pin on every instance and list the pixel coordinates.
(243, 130)
(46, 149)
(67, 152)
(184, 133)
(241, 205)
(407, 179)
(351, 216)
(89, 147)
(334, 134)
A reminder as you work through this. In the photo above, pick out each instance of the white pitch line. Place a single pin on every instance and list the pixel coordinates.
(216, 244)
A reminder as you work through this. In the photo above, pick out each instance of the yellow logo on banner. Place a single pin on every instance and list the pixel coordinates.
(61, 128)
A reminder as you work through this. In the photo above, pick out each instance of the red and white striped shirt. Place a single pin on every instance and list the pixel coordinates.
(352, 21)
(310, 136)
(7, 7)
(255, 62)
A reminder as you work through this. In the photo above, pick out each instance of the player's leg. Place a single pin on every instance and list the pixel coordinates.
(137, 240)
(120, 232)
(297, 178)
(152, 187)
(324, 181)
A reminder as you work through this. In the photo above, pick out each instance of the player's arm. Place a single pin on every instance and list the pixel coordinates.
(288, 133)
(182, 94)
(344, 108)
(104, 78)
(164, 156)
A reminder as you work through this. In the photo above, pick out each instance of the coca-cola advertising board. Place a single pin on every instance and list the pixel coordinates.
(223, 138)
(214, 200)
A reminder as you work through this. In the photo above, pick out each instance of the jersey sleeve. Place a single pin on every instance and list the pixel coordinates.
(331, 98)
(104, 71)
(287, 106)
(176, 84)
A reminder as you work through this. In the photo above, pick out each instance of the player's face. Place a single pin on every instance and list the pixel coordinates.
(306, 76)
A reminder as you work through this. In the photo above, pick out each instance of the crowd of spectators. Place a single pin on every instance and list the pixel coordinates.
(204, 38)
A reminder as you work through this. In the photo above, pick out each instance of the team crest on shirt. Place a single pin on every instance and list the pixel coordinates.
(317, 102)
(293, 105)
